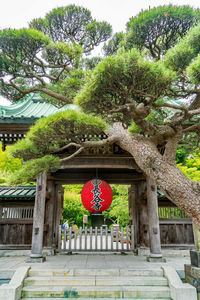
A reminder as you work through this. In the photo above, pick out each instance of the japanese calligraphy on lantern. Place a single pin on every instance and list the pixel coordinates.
(96, 195)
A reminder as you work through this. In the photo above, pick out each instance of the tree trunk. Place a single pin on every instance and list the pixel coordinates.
(182, 191)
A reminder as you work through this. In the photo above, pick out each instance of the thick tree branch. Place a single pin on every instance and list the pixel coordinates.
(53, 94)
(71, 156)
(87, 144)
(194, 112)
(67, 146)
(122, 108)
(193, 128)
(169, 105)
(146, 95)
(110, 140)
(171, 147)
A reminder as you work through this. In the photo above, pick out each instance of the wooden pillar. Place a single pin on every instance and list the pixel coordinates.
(133, 211)
(153, 217)
(143, 234)
(58, 211)
(49, 217)
(38, 219)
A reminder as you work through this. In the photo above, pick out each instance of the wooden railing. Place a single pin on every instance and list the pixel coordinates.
(98, 239)
(17, 213)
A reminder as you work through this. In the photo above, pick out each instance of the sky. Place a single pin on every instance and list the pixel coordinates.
(18, 13)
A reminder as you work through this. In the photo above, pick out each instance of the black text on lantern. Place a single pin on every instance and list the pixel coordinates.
(96, 195)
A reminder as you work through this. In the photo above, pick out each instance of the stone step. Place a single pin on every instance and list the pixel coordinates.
(94, 272)
(137, 292)
(97, 298)
(96, 281)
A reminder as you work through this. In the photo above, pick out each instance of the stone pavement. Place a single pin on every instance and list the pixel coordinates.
(174, 258)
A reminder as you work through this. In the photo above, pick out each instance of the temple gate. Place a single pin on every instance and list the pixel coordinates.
(155, 222)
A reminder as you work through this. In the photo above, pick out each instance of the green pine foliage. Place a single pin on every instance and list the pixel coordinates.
(111, 83)
(182, 55)
(160, 28)
(53, 132)
(33, 168)
(73, 24)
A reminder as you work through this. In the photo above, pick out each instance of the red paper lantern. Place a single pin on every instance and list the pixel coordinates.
(96, 195)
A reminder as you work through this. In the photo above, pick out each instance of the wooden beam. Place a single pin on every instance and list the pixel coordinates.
(74, 177)
(101, 162)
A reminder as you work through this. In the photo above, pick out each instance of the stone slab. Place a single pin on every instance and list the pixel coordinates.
(12, 290)
(179, 290)
(195, 258)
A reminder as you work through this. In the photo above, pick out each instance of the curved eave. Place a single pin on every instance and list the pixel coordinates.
(17, 120)
(28, 110)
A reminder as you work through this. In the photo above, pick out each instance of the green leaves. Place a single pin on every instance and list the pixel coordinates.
(193, 70)
(73, 24)
(73, 209)
(8, 164)
(120, 79)
(191, 168)
(113, 44)
(51, 133)
(160, 28)
(180, 57)
(33, 168)
(20, 46)
(62, 54)
(41, 57)
(118, 211)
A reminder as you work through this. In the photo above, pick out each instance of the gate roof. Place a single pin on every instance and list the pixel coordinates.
(25, 191)
(28, 110)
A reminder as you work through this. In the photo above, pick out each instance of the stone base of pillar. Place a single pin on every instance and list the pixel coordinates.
(48, 251)
(34, 258)
(157, 258)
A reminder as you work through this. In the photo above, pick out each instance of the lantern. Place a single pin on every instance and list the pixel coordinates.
(96, 195)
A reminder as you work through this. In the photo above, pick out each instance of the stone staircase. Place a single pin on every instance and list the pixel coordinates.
(99, 284)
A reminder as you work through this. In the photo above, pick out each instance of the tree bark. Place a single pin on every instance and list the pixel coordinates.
(182, 191)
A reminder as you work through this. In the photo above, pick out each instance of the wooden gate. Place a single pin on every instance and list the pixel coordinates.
(98, 239)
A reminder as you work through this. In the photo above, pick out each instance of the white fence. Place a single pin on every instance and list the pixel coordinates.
(98, 239)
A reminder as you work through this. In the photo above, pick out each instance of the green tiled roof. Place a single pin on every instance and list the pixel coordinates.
(26, 191)
(30, 191)
(29, 110)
